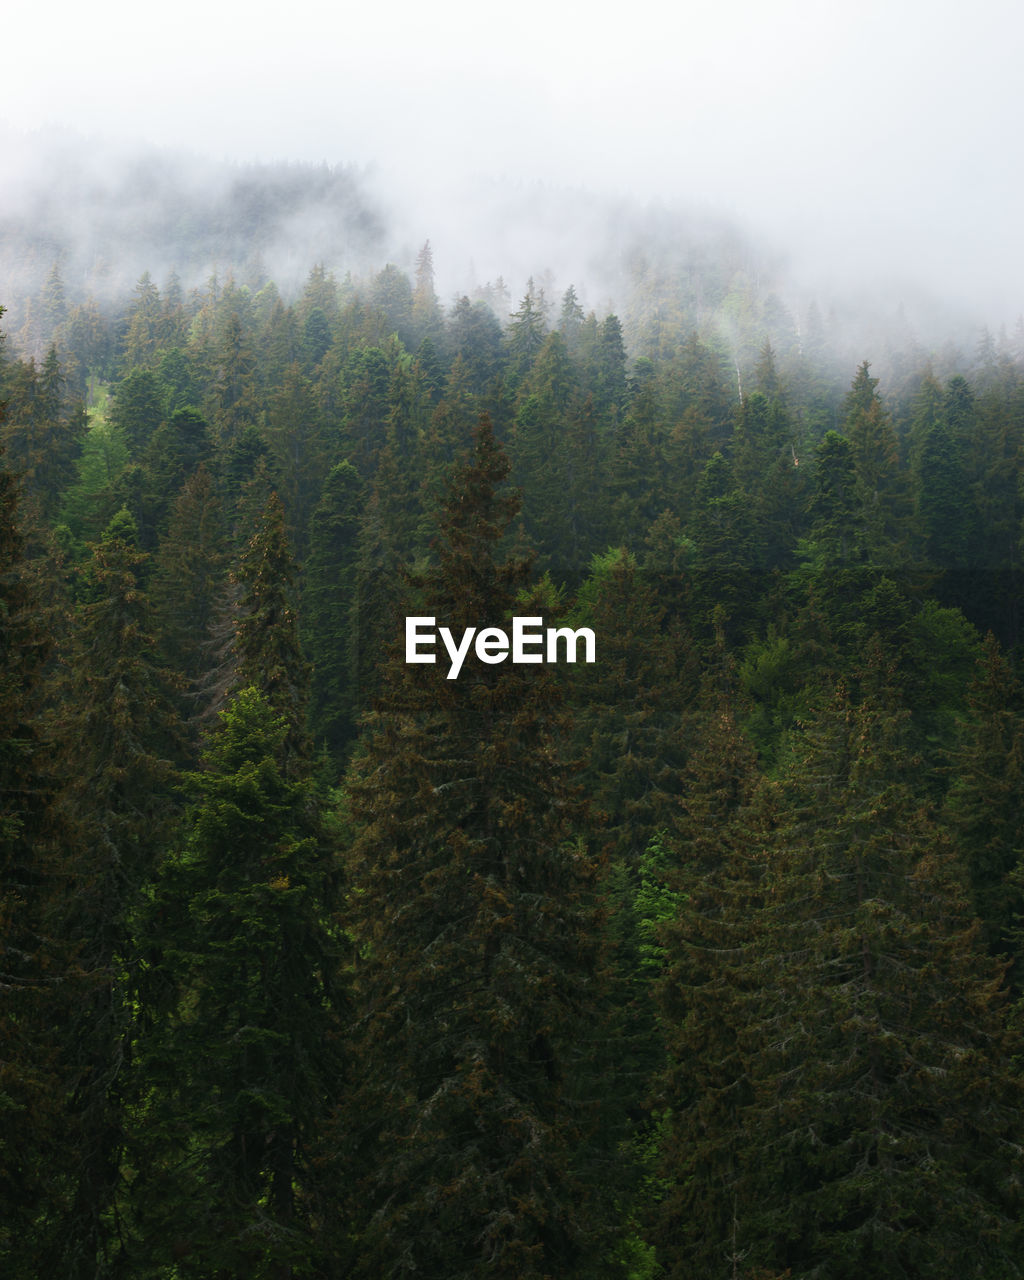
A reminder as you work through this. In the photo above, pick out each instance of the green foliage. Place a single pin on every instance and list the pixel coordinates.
(87, 502)
(268, 654)
(188, 576)
(880, 1119)
(37, 973)
(42, 427)
(473, 916)
(121, 742)
(985, 804)
(757, 1035)
(655, 903)
(328, 607)
(245, 1061)
(138, 405)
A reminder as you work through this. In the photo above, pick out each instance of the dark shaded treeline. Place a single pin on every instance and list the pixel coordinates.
(699, 961)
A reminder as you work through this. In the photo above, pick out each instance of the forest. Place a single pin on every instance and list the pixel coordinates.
(703, 960)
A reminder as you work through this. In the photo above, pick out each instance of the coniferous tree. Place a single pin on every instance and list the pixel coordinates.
(985, 804)
(295, 433)
(609, 370)
(188, 576)
(43, 428)
(540, 460)
(427, 320)
(707, 990)
(629, 709)
(243, 1064)
(471, 907)
(527, 329)
(137, 407)
(475, 335)
(880, 483)
(267, 651)
(328, 608)
(121, 743)
(37, 976)
(570, 318)
(723, 534)
(880, 1122)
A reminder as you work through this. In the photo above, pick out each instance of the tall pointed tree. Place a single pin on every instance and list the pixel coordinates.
(121, 744)
(880, 1122)
(712, 871)
(243, 1063)
(472, 909)
(328, 606)
(985, 804)
(37, 1145)
(267, 649)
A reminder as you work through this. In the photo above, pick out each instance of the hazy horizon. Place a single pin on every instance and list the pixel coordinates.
(871, 150)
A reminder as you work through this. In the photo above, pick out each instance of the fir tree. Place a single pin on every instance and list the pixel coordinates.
(881, 1123)
(267, 651)
(138, 406)
(471, 907)
(328, 607)
(188, 576)
(707, 990)
(37, 975)
(121, 744)
(243, 1066)
(985, 804)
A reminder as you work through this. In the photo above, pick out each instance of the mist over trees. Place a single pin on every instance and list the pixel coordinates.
(702, 960)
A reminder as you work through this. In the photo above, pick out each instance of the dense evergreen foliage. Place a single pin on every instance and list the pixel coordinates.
(702, 960)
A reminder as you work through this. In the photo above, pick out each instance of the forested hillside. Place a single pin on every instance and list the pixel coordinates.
(700, 961)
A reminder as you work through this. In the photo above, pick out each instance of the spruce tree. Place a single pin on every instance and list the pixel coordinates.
(712, 871)
(121, 744)
(242, 1065)
(267, 650)
(188, 576)
(882, 1121)
(985, 804)
(37, 976)
(328, 604)
(472, 908)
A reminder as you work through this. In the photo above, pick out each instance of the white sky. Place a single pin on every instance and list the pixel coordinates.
(884, 135)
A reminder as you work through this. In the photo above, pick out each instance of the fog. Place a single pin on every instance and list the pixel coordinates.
(868, 152)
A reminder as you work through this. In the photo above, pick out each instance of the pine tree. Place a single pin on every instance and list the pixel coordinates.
(243, 1065)
(570, 317)
(527, 329)
(475, 335)
(881, 1120)
(427, 320)
(143, 332)
(881, 485)
(233, 402)
(723, 534)
(295, 433)
(37, 976)
(609, 370)
(712, 871)
(267, 651)
(121, 744)
(471, 908)
(539, 451)
(328, 606)
(43, 428)
(188, 576)
(939, 481)
(629, 709)
(138, 406)
(985, 804)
